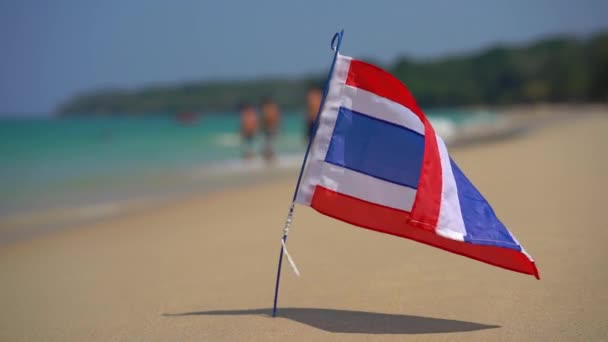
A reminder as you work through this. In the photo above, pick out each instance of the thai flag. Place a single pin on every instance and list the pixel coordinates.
(376, 162)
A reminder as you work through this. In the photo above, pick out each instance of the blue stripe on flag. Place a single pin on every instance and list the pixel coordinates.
(480, 221)
(377, 148)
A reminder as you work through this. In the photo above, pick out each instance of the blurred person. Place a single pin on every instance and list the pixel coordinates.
(314, 96)
(271, 119)
(249, 128)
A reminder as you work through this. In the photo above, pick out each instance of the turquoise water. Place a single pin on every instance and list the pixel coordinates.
(42, 160)
(63, 162)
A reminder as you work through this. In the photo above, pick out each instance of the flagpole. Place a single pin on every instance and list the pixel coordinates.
(335, 46)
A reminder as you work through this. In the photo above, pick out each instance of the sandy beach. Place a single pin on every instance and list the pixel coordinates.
(203, 268)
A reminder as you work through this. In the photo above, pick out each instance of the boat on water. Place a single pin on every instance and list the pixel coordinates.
(187, 118)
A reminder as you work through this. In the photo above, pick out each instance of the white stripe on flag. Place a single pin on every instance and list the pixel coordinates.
(381, 108)
(450, 223)
(326, 124)
(367, 188)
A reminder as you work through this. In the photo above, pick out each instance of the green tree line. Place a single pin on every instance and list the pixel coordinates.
(556, 69)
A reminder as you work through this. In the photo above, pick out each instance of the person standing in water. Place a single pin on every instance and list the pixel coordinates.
(314, 95)
(271, 120)
(249, 128)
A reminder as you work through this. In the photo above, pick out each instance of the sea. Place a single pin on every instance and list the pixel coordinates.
(58, 170)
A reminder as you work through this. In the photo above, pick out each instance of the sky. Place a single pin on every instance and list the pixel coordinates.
(52, 50)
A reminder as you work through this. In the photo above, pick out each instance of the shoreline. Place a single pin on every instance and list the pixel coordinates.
(31, 223)
(208, 179)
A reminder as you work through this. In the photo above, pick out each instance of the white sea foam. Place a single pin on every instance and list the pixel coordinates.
(240, 166)
(445, 128)
(228, 140)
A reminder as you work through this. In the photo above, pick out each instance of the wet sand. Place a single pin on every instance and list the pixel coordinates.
(202, 268)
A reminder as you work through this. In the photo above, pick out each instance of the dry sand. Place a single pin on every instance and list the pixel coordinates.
(203, 268)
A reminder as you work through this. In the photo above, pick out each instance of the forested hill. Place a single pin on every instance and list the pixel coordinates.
(558, 69)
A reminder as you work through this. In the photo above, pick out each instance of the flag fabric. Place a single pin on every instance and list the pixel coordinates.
(376, 162)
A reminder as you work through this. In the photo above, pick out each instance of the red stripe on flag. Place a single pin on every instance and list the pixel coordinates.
(394, 222)
(425, 211)
(358, 212)
(375, 80)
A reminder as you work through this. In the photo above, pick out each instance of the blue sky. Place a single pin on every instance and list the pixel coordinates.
(51, 50)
